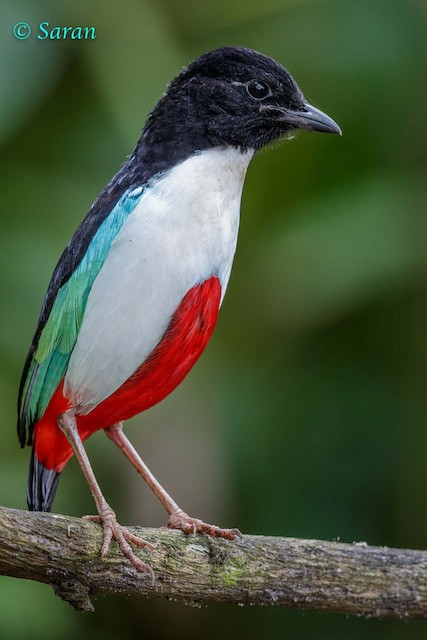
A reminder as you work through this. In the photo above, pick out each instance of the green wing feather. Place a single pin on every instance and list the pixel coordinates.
(50, 359)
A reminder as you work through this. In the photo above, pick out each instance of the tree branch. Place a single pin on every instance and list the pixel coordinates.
(327, 576)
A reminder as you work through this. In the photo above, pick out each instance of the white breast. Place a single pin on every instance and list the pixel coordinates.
(183, 230)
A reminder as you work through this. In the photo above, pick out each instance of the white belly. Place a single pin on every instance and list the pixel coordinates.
(183, 230)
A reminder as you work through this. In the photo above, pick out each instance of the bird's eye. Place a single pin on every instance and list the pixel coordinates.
(258, 89)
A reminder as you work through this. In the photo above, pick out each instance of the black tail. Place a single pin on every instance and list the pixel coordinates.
(42, 485)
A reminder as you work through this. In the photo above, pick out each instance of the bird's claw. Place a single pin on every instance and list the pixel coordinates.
(114, 530)
(187, 524)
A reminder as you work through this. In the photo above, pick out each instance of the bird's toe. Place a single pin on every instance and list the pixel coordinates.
(115, 531)
(182, 521)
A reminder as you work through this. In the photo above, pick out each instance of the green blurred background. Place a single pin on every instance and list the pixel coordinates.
(306, 416)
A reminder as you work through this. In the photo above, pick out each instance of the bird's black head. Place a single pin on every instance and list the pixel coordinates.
(229, 97)
(238, 97)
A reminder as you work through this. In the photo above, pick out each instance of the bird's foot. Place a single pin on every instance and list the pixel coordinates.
(181, 520)
(114, 530)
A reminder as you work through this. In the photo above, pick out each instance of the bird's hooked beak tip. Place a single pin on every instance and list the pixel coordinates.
(315, 120)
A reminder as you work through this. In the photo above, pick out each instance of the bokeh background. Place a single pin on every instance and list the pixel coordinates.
(307, 414)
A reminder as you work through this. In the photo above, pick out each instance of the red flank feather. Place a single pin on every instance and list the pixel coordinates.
(184, 341)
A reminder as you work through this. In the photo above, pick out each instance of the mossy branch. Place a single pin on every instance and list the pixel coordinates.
(326, 576)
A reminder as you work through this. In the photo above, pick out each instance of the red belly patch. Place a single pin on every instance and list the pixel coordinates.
(182, 344)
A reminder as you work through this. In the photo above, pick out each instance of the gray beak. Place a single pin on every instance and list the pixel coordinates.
(307, 117)
(315, 120)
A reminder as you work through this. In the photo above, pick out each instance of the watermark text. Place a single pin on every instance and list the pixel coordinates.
(44, 31)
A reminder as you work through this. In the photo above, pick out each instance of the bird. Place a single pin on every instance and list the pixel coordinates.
(135, 296)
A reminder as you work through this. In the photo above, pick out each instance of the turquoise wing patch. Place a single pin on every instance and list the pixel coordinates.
(50, 359)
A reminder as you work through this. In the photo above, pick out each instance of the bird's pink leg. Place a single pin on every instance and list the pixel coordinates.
(107, 517)
(178, 519)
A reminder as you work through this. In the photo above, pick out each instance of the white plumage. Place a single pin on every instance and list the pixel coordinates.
(183, 231)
